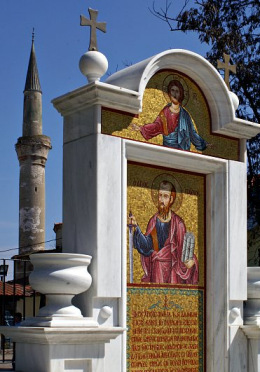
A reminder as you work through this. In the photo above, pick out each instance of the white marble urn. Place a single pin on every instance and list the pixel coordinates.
(60, 276)
(252, 305)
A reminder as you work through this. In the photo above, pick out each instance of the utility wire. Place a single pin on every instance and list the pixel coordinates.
(29, 246)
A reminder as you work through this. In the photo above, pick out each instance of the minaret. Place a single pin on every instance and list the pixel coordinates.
(32, 151)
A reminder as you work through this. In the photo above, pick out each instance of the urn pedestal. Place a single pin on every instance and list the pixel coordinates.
(59, 338)
(251, 326)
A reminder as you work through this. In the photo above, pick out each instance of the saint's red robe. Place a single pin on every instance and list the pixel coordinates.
(165, 266)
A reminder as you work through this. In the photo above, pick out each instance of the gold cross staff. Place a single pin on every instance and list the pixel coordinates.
(227, 67)
(94, 25)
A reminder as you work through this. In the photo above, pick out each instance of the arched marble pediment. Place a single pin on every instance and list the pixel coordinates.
(218, 97)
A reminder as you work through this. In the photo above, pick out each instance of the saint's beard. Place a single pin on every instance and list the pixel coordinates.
(163, 210)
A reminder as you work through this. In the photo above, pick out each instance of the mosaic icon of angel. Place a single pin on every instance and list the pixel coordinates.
(174, 122)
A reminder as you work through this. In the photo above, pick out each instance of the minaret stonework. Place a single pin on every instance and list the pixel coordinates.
(32, 151)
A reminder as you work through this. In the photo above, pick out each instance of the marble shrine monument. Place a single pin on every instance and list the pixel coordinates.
(154, 207)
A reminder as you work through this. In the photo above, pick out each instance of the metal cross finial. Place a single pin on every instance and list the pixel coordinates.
(227, 67)
(94, 26)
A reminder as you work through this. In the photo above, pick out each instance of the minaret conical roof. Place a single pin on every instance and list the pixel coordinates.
(32, 78)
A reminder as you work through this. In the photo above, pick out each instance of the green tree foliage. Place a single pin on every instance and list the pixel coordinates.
(231, 27)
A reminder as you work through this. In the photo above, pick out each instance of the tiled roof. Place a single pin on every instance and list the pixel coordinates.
(15, 290)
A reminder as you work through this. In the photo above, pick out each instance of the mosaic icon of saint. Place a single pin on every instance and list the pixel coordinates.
(174, 123)
(161, 247)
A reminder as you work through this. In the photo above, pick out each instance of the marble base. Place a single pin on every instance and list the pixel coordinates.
(251, 331)
(56, 321)
(49, 349)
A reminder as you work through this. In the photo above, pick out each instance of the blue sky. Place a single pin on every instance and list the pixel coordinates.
(133, 34)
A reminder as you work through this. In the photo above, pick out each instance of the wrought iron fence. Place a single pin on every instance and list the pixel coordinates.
(18, 299)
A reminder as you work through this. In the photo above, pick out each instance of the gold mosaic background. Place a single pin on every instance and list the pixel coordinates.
(118, 124)
(139, 201)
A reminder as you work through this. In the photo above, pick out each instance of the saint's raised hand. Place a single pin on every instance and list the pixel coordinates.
(135, 127)
(189, 264)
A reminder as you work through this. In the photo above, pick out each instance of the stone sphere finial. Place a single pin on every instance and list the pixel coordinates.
(93, 65)
(234, 99)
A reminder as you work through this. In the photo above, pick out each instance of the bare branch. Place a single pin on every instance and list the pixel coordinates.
(184, 6)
